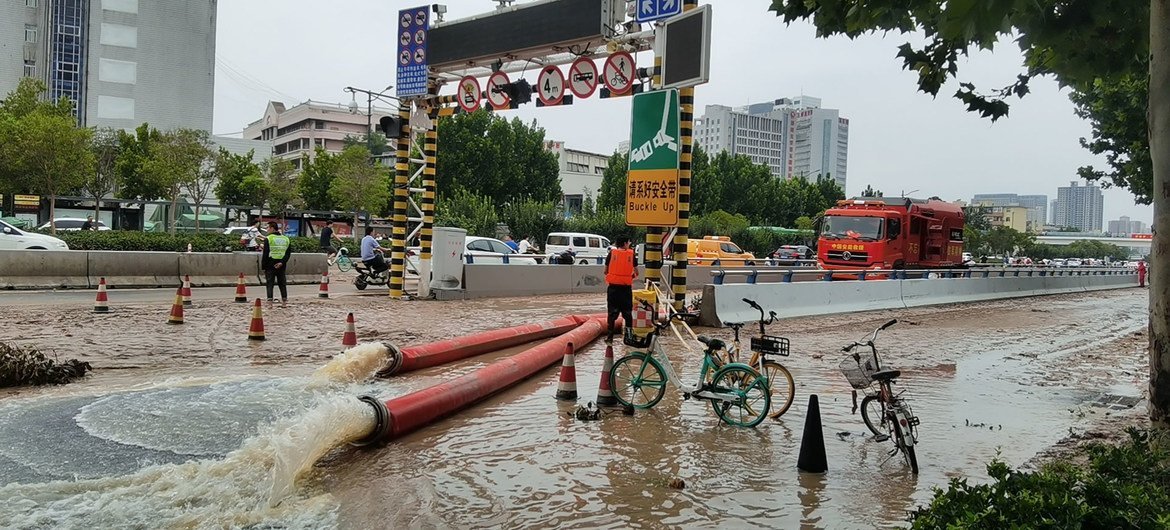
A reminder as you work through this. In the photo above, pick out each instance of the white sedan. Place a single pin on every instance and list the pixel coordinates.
(489, 250)
(12, 238)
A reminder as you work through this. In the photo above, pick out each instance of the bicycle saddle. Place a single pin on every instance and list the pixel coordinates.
(885, 375)
(712, 344)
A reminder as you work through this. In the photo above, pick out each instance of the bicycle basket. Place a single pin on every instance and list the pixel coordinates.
(858, 373)
(629, 338)
(770, 345)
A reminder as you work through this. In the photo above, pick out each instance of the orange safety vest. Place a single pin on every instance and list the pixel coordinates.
(621, 267)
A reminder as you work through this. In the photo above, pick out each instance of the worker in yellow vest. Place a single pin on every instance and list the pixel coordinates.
(620, 272)
(274, 261)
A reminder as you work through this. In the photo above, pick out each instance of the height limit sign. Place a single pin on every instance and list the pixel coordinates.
(652, 185)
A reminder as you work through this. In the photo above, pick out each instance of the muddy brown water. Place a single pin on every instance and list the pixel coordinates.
(191, 426)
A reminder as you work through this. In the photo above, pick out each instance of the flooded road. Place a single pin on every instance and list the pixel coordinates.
(1009, 378)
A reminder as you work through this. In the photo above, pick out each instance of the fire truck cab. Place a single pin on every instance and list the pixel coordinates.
(891, 233)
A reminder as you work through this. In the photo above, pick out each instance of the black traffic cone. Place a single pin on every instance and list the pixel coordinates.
(812, 443)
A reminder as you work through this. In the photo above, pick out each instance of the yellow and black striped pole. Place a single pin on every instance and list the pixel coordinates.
(401, 193)
(430, 146)
(686, 100)
(653, 247)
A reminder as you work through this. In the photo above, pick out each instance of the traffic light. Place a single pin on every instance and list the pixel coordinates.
(391, 126)
(518, 91)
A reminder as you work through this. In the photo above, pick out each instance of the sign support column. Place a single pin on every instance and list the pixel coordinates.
(430, 147)
(401, 192)
(653, 249)
(686, 101)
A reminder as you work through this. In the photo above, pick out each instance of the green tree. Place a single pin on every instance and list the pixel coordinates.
(491, 156)
(870, 192)
(359, 185)
(466, 210)
(281, 178)
(1116, 109)
(1005, 240)
(176, 161)
(238, 181)
(529, 218)
(23, 102)
(104, 178)
(375, 143)
(1077, 42)
(133, 180)
(316, 176)
(804, 222)
(612, 194)
(55, 153)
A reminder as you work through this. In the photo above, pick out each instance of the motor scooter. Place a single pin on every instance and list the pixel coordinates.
(366, 276)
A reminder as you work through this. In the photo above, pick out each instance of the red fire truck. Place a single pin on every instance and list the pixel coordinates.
(891, 233)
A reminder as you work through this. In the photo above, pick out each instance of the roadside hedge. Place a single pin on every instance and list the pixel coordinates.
(163, 242)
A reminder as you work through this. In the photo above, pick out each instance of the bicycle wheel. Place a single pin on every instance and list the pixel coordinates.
(637, 380)
(873, 412)
(344, 264)
(754, 397)
(900, 434)
(780, 386)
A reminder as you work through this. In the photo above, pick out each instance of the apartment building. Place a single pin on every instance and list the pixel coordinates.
(580, 172)
(1126, 226)
(1037, 206)
(301, 129)
(1080, 207)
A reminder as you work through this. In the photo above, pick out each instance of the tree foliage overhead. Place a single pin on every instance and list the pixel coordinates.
(492, 156)
(1116, 109)
(16, 109)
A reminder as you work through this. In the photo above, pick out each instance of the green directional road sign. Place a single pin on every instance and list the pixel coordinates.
(652, 185)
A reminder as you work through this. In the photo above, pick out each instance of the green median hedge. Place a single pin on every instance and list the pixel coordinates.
(163, 242)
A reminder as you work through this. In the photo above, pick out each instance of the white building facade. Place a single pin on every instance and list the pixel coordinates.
(794, 137)
(298, 131)
(580, 172)
(122, 62)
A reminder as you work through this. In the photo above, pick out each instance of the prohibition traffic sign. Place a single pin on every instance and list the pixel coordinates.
(469, 94)
(618, 73)
(583, 77)
(550, 85)
(495, 91)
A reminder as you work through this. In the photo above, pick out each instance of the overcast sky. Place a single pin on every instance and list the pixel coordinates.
(900, 140)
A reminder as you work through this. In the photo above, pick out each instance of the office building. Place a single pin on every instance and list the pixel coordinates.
(1080, 207)
(580, 172)
(1125, 226)
(1014, 217)
(122, 62)
(794, 137)
(1037, 206)
(300, 130)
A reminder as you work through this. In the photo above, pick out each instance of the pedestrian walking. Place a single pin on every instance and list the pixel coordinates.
(274, 261)
(619, 274)
(1141, 270)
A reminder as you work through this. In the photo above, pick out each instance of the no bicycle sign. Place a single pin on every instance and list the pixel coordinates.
(652, 185)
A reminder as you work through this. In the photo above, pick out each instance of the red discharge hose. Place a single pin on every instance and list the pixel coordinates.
(436, 353)
(405, 414)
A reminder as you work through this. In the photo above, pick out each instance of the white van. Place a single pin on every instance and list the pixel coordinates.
(588, 247)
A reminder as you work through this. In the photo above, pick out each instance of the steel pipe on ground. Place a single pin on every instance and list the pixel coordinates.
(436, 353)
(405, 414)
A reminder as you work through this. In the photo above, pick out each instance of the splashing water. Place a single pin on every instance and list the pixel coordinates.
(355, 364)
(253, 485)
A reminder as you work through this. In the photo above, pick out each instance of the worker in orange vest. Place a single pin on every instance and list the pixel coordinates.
(1141, 270)
(620, 272)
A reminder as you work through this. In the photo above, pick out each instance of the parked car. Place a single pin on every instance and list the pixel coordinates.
(489, 250)
(12, 238)
(1073, 262)
(794, 252)
(586, 247)
(70, 224)
(710, 249)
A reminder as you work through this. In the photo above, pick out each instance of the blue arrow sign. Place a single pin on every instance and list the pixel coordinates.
(651, 10)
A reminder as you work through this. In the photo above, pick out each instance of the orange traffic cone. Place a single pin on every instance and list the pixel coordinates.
(241, 290)
(349, 339)
(323, 291)
(605, 397)
(256, 330)
(187, 291)
(567, 388)
(177, 308)
(101, 305)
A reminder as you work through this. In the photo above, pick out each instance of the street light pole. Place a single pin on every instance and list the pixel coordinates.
(370, 95)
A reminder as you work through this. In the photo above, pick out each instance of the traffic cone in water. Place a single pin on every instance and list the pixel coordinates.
(567, 388)
(349, 339)
(256, 330)
(812, 443)
(101, 305)
(177, 308)
(605, 397)
(241, 290)
(323, 291)
(187, 291)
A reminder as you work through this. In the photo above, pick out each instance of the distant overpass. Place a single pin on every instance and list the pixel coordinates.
(1136, 245)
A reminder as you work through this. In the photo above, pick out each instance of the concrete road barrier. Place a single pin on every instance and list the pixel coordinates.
(134, 269)
(305, 268)
(43, 269)
(488, 280)
(208, 269)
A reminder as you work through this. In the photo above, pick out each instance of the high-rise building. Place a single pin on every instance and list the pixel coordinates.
(1080, 207)
(1125, 226)
(1037, 205)
(122, 62)
(794, 137)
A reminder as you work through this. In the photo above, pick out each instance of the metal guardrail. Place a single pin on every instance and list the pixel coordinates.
(752, 276)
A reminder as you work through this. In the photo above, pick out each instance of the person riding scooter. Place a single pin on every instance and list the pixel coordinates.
(372, 253)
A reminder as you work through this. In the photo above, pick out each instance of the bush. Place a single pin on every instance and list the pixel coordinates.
(127, 241)
(20, 366)
(532, 219)
(466, 210)
(1127, 486)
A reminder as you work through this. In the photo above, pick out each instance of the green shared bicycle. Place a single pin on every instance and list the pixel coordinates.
(739, 395)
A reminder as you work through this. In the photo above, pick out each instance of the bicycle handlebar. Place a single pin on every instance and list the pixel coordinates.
(872, 337)
(888, 324)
